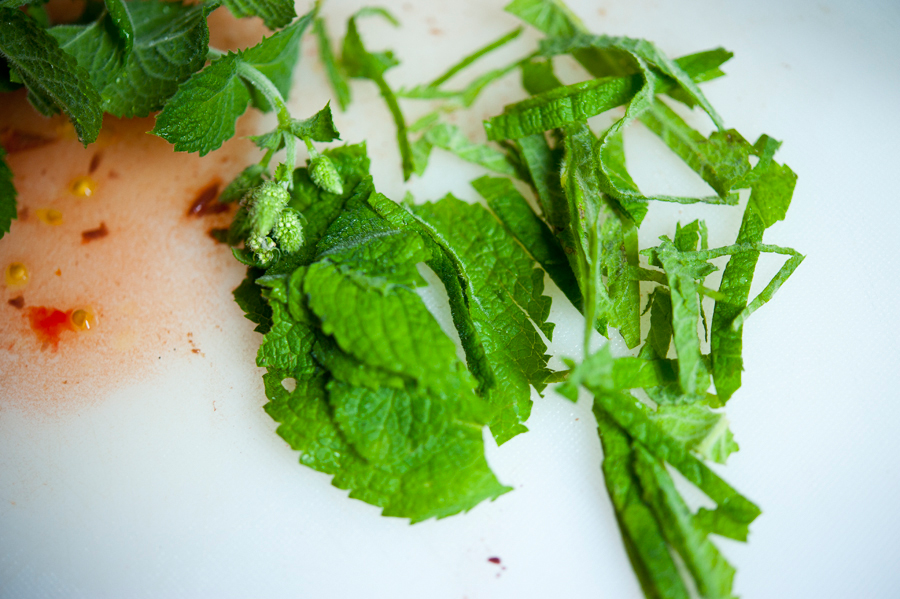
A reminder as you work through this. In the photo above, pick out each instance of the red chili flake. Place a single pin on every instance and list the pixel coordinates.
(14, 140)
(49, 323)
(494, 560)
(92, 234)
(17, 302)
(95, 162)
(207, 202)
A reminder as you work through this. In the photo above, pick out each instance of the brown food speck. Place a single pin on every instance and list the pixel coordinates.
(58, 272)
(14, 140)
(207, 202)
(23, 213)
(17, 302)
(113, 174)
(494, 560)
(436, 31)
(92, 234)
(95, 162)
(195, 351)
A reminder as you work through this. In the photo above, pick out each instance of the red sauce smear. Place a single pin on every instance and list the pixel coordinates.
(92, 234)
(494, 560)
(49, 323)
(207, 202)
(14, 140)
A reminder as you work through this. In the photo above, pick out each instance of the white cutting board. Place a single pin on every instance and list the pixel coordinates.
(175, 485)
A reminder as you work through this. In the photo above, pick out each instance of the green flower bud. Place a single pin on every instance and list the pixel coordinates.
(324, 175)
(288, 231)
(263, 248)
(264, 205)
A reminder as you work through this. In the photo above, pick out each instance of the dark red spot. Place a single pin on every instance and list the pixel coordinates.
(92, 234)
(494, 560)
(207, 202)
(14, 140)
(17, 302)
(49, 323)
(95, 162)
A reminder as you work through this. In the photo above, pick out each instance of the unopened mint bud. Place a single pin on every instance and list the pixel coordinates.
(288, 231)
(324, 175)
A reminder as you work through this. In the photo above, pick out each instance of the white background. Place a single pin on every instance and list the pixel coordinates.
(150, 493)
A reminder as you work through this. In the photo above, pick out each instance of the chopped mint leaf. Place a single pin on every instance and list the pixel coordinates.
(538, 76)
(362, 64)
(332, 68)
(449, 137)
(709, 569)
(274, 13)
(170, 43)
(698, 428)
(644, 540)
(53, 77)
(203, 112)
(7, 196)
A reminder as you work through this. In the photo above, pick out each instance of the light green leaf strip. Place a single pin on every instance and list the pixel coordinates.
(276, 57)
(471, 58)
(451, 138)
(550, 16)
(766, 294)
(648, 552)
(332, 68)
(619, 253)
(538, 77)
(274, 13)
(631, 415)
(503, 291)
(638, 48)
(52, 76)
(719, 523)
(464, 97)
(699, 429)
(692, 374)
(202, 114)
(726, 343)
(586, 207)
(722, 160)
(8, 195)
(170, 44)
(561, 106)
(360, 63)
(712, 573)
(517, 216)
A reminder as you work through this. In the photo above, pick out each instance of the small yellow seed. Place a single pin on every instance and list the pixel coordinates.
(84, 319)
(16, 274)
(82, 187)
(49, 216)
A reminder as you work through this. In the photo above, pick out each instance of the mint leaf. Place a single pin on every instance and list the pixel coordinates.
(203, 112)
(274, 13)
(319, 127)
(95, 46)
(248, 296)
(7, 196)
(170, 43)
(535, 236)
(121, 16)
(699, 429)
(53, 77)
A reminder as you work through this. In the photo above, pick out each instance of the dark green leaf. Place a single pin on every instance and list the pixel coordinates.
(7, 196)
(51, 75)
(96, 46)
(248, 296)
(170, 44)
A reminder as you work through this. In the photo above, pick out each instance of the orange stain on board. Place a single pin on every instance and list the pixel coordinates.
(49, 324)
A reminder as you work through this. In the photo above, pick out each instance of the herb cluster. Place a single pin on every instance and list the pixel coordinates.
(360, 377)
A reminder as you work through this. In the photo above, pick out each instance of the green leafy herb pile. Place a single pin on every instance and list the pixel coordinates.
(362, 380)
